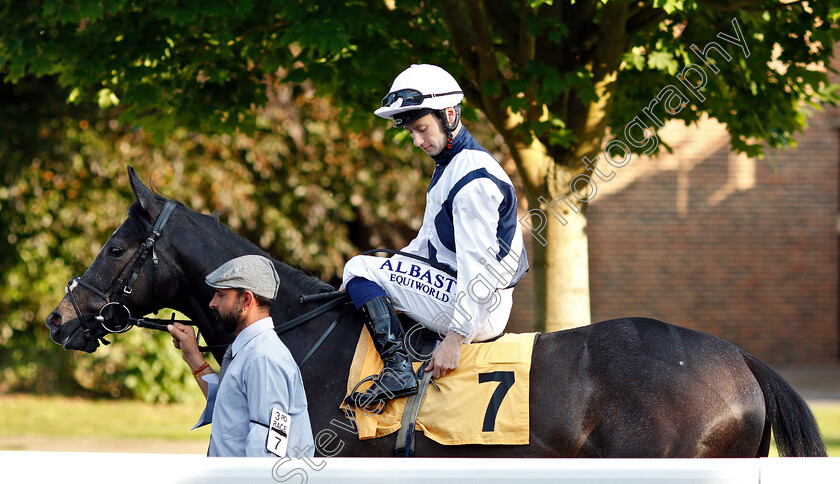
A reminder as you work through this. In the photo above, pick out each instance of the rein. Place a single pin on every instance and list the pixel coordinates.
(336, 299)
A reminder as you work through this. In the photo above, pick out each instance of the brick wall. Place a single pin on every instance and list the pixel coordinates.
(740, 248)
(744, 249)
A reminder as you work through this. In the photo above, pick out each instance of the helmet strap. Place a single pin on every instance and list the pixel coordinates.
(449, 129)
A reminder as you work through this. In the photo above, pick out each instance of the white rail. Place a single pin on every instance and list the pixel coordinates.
(87, 468)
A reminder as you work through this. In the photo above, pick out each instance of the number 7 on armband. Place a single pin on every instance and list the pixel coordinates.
(278, 433)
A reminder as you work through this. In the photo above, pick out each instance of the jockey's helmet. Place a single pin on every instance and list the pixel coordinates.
(420, 90)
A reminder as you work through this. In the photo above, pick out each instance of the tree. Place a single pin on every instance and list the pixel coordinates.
(299, 187)
(557, 79)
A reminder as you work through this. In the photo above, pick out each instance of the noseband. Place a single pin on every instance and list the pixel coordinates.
(114, 316)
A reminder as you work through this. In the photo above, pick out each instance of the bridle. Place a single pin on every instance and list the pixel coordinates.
(114, 316)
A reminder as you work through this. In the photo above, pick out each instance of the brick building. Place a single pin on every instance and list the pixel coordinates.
(741, 248)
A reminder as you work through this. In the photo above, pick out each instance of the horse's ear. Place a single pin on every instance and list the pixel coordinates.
(144, 196)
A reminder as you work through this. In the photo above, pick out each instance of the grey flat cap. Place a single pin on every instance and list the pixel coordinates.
(254, 273)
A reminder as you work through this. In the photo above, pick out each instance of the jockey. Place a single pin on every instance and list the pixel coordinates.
(469, 226)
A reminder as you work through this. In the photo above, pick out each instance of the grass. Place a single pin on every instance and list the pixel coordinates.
(828, 418)
(33, 416)
(49, 416)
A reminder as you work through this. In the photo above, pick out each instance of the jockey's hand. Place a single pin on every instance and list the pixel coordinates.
(183, 338)
(447, 356)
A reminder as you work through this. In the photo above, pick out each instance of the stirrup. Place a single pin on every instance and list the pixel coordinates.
(355, 397)
(352, 399)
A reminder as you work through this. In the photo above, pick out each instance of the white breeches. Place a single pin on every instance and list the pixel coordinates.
(426, 294)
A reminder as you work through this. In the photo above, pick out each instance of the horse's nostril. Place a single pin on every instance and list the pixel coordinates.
(54, 319)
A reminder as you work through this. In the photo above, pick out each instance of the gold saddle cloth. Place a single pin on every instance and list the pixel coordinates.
(483, 401)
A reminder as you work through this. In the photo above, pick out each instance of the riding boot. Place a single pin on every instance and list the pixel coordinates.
(397, 378)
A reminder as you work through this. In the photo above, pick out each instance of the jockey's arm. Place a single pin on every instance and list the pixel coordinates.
(476, 222)
(476, 217)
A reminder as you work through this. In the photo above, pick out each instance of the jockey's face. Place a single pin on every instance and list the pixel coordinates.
(427, 132)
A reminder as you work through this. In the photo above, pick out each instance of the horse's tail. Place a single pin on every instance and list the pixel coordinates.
(794, 426)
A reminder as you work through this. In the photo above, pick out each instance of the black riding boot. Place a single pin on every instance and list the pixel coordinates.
(397, 378)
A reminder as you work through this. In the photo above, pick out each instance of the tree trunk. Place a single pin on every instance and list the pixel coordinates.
(560, 266)
(559, 253)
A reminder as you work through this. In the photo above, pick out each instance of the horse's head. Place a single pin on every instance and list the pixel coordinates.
(133, 274)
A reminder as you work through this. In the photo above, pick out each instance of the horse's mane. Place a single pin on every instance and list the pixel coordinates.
(307, 283)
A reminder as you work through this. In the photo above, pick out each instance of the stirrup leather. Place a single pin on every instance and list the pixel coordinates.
(397, 378)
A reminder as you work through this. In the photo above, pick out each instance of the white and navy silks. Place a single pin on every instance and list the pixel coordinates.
(470, 225)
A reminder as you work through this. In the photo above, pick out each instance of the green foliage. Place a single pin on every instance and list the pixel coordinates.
(203, 65)
(762, 98)
(302, 187)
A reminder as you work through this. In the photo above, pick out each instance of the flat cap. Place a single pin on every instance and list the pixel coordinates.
(254, 273)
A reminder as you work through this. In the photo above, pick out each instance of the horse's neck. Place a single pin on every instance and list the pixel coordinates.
(209, 246)
(305, 335)
(206, 245)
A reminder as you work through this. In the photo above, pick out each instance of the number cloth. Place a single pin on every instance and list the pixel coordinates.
(483, 401)
(262, 375)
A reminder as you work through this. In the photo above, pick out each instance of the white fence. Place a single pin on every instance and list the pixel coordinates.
(77, 467)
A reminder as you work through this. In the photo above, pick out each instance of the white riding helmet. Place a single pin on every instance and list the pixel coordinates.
(420, 87)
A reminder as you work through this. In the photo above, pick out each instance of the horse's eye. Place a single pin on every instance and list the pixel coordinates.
(115, 251)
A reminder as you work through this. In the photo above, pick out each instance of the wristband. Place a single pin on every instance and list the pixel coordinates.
(205, 365)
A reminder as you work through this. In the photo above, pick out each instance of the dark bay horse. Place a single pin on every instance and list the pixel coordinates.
(630, 387)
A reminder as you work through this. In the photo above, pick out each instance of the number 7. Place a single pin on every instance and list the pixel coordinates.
(506, 380)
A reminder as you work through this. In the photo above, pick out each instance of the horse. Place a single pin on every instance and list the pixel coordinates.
(628, 387)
